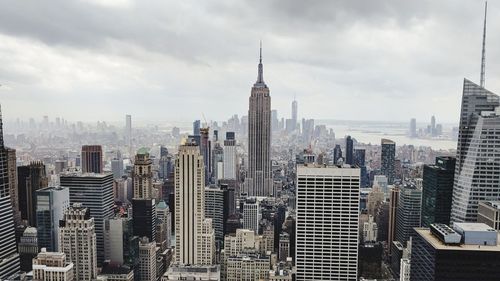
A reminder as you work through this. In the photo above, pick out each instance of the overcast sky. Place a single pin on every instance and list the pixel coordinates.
(174, 60)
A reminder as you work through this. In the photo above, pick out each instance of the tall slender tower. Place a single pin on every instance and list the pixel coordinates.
(195, 238)
(294, 113)
(259, 179)
(9, 258)
(478, 161)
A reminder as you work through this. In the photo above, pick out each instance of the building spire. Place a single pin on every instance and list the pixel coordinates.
(260, 76)
(483, 54)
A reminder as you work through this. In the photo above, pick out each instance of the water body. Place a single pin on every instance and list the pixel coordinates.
(372, 132)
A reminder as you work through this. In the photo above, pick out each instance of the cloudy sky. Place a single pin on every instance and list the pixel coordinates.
(165, 60)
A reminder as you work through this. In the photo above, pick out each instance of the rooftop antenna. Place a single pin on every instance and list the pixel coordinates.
(483, 55)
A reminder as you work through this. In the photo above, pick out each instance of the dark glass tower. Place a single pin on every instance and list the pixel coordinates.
(30, 179)
(437, 190)
(144, 218)
(388, 160)
(349, 148)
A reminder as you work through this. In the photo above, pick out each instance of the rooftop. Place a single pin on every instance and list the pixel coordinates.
(472, 226)
(494, 204)
(437, 244)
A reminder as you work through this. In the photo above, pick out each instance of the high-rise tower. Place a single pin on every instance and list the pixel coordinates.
(192, 230)
(294, 114)
(259, 180)
(9, 258)
(478, 158)
(143, 175)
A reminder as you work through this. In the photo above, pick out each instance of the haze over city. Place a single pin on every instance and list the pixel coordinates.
(171, 61)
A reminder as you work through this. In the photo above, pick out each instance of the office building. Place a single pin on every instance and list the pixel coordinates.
(478, 158)
(163, 226)
(230, 158)
(117, 168)
(77, 239)
(328, 222)
(382, 182)
(248, 266)
(128, 133)
(52, 266)
(94, 192)
(413, 128)
(9, 258)
(196, 127)
(30, 178)
(437, 191)
(144, 218)
(120, 245)
(147, 260)
(251, 214)
(215, 209)
(408, 212)
(259, 178)
(51, 203)
(393, 207)
(92, 159)
(13, 186)
(388, 160)
(217, 163)
(27, 248)
(349, 150)
(489, 214)
(205, 148)
(359, 160)
(337, 154)
(143, 175)
(284, 247)
(294, 114)
(192, 229)
(470, 252)
(370, 230)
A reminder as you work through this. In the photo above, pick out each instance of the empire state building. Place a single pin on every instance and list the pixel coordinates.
(259, 179)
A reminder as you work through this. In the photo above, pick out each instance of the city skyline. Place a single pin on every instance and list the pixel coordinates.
(98, 61)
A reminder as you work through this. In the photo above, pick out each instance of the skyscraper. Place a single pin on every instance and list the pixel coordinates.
(196, 127)
(143, 175)
(9, 258)
(51, 203)
(191, 228)
(294, 114)
(128, 133)
(251, 214)
(349, 149)
(408, 212)
(230, 156)
(147, 260)
(144, 217)
(393, 207)
(30, 178)
(337, 154)
(215, 209)
(328, 222)
(413, 128)
(259, 180)
(28, 248)
(13, 186)
(437, 190)
(478, 160)
(77, 239)
(205, 148)
(92, 159)
(94, 192)
(388, 160)
(121, 246)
